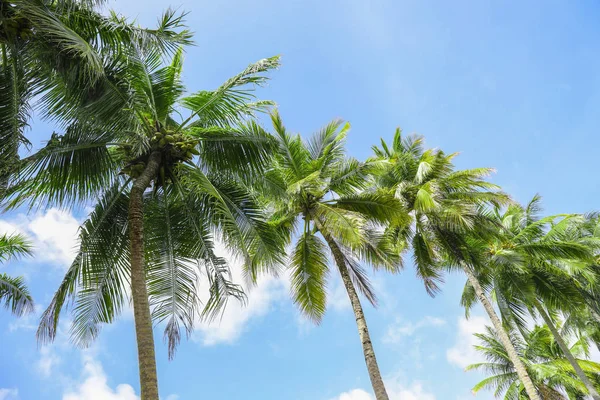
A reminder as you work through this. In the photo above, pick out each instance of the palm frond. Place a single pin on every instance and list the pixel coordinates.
(242, 151)
(228, 104)
(15, 295)
(309, 276)
(98, 271)
(72, 168)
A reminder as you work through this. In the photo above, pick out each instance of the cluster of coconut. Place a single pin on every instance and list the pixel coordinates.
(175, 148)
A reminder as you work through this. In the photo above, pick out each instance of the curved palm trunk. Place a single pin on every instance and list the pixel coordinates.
(361, 323)
(139, 292)
(504, 338)
(567, 352)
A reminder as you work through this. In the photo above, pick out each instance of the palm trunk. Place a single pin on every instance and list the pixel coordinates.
(504, 338)
(361, 323)
(567, 352)
(139, 292)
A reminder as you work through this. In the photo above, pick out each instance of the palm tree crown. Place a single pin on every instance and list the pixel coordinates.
(54, 55)
(552, 374)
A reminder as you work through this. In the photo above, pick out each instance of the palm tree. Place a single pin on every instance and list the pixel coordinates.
(13, 292)
(528, 267)
(317, 193)
(155, 241)
(52, 51)
(553, 374)
(447, 208)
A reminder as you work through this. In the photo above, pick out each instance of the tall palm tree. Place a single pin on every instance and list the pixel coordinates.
(57, 50)
(317, 194)
(553, 374)
(528, 268)
(447, 208)
(155, 241)
(13, 292)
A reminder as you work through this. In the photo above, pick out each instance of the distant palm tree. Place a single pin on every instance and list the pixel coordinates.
(13, 292)
(157, 242)
(528, 269)
(553, 375)
(447, 207)
(56, 53)
(316, 192)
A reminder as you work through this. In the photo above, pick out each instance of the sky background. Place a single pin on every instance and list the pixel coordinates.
(510, 85)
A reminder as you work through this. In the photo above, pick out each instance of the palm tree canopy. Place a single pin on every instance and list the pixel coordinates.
(551, 372)
(532, 259)
(445, 204)
(55, 55)
(311, 188)
(191, 200)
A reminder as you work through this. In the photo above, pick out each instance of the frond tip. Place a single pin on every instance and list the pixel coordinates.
(15, 295)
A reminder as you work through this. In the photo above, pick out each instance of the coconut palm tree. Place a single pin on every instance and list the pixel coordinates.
(156, 242)
(13, 292)
(529, 267)
(447, 207)
(553, 374)
(320, 207)
(55, 53)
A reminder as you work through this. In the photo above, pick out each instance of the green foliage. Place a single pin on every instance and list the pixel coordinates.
(550, 371)
(312, 184)
(444, 206)
(196, 197)
(60, 56)
(13, 292)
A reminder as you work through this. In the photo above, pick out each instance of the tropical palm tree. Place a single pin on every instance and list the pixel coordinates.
(529, 267)
(552, 373)
(316, 194)
(59, 52)
(154, 241)
(447, 208)
(13, 292)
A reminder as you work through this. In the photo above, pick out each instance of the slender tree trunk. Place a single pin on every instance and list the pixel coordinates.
(504, 338)
(139, 292)
(567, 352)
(361, 323)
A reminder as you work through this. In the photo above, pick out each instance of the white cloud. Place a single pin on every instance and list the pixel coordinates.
(48, 361)
(396, 390)
(95, 385)
(400, 329)
(356, 394)
(463, 353)
(55, 235)
(9, 394)
(9, 228)
(237, 316)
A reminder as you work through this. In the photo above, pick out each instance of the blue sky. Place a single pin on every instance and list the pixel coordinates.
(511, 85)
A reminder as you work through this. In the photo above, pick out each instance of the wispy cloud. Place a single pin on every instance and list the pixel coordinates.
(397, 388)
(463, 352)
(401, 329)
(9, 394)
